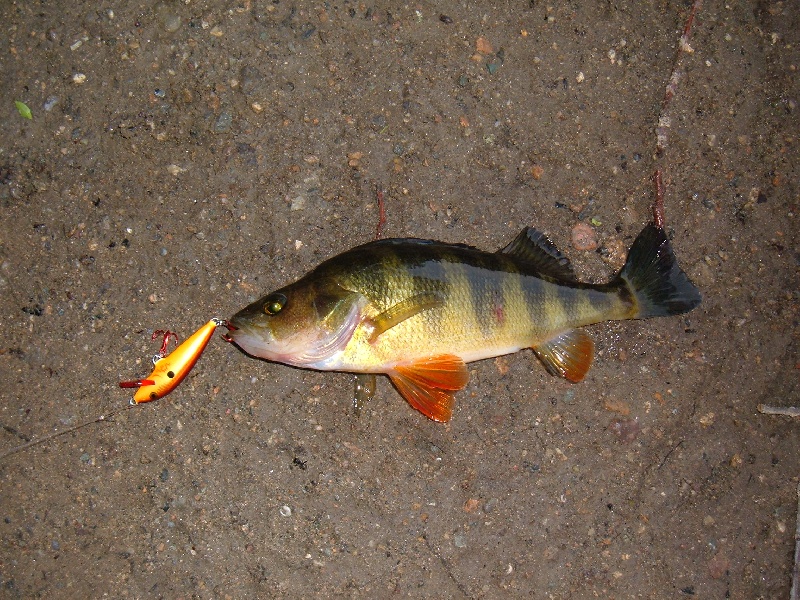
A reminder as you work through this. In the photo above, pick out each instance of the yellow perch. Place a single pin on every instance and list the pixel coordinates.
(418, 310)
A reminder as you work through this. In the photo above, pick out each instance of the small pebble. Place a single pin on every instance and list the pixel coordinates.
(703, 274)
(584, 237)
(171, 23)
(718, 565)
(471, 505)
(626, 430)
(175, 170)
(354, 159)
(483, 46)
(615, 253)
(223, 122)
(285, 511)
(50, 103)
(252, 80)
(707, 420)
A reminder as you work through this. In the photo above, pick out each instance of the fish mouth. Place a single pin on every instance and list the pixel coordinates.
(259, 342)
(252, 341)
(227, 336)
(239, 332)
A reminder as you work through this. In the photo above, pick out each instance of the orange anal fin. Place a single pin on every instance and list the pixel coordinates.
(429, 385)
(569, 354)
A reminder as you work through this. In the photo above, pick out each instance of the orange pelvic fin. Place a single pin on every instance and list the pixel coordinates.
(569, 354)
(429, 384)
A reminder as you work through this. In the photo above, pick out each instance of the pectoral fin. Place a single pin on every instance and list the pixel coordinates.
(403, 310)
(568, 355)
(429, 384)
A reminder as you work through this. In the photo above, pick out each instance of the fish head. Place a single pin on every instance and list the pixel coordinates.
(304, 324)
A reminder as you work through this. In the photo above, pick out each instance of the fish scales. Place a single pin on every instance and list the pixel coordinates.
(418, 310)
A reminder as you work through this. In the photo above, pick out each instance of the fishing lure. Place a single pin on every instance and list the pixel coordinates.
(171, 369)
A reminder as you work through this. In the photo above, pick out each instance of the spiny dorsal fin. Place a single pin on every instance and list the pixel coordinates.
(537, 250)
(403, 310)
(569, 355)
(429, 384)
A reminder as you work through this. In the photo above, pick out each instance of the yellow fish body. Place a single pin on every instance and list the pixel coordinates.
(418, 310)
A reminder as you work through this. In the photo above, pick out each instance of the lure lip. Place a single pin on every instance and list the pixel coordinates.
(136, 383)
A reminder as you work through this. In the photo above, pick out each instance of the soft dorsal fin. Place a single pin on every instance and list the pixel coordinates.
(537, 250)
(430, 384)
(569, 354)
(403, 310)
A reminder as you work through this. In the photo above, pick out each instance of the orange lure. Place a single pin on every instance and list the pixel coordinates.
(170, 370)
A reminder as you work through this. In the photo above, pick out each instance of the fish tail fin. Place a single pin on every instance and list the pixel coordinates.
(652, 275)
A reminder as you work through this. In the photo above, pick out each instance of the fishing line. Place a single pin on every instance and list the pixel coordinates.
(40, 440)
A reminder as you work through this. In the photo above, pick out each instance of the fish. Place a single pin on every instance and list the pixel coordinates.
(419, 310)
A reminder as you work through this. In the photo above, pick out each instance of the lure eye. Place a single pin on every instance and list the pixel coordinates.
(274, 304)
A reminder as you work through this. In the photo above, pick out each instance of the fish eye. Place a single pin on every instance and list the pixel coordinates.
(274, 304)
